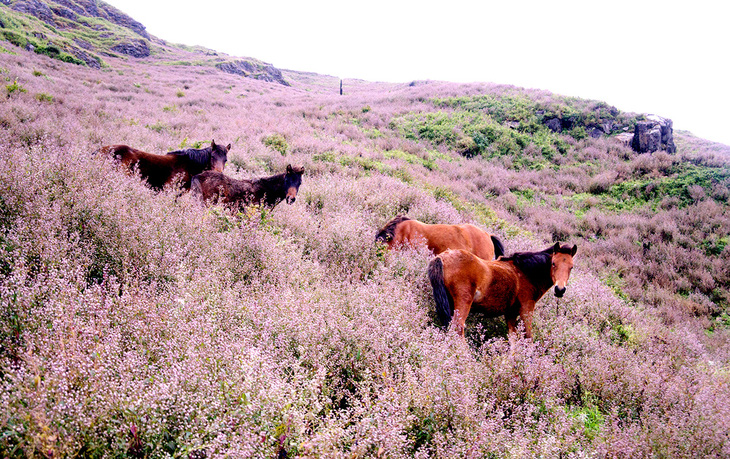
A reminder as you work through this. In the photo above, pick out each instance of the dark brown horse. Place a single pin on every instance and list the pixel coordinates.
(404, 231)
(161, 170)
(216, 187)
(509, 286)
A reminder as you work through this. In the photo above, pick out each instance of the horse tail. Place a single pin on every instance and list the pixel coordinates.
(196, 189)
(444, 301)
(498, 247)
(115, 152)
(108, 151)
(387, 233)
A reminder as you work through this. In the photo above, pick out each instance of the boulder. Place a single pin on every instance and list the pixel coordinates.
(554, 124)
(654, 133)
(626, 138)
(595, 132)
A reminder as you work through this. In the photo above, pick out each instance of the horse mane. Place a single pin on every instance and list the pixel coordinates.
(536, 265)
(388, 231)
(200, 157)
(276, 178)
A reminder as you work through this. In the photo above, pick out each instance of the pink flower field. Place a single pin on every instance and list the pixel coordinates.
(144, 324)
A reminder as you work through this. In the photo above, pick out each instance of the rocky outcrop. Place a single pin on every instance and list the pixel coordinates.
(135, 48)
(117, 17)
(71, 9)
(255, 70)
(35, 8)
(654, 133)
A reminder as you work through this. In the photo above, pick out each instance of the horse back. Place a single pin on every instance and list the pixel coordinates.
(442, 237)
(216, 186)
(479, 241)
(491, 285)
(122, 153)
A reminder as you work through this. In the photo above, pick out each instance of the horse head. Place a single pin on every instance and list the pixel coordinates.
(562, 264)
(292, 181)
(218, 156)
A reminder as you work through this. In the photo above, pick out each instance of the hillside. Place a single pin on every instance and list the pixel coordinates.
(143, 324)
(89, 32)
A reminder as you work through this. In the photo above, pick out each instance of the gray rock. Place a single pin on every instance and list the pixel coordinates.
(625, 138)
(34, 8)
(554, 124)
(255, 70)
(135, 48)
(595, 132)
(65, 13)
(655, 133)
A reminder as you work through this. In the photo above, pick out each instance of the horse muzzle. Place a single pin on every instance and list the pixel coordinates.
(291, 199)
(559, 291)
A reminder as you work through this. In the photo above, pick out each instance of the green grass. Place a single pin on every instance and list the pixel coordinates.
(410, 158)
(630, 195)
(23, 31)
(478, 134)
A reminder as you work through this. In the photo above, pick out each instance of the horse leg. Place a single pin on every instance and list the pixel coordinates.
(511, 319)
(461, 311)
(526, 311)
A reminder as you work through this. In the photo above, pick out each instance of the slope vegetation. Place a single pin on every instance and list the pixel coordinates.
(144, 324)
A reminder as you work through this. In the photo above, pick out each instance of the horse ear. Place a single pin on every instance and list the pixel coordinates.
(228, 147)
(289, 170)
(556, 247)
(212, 143)
(573, 250)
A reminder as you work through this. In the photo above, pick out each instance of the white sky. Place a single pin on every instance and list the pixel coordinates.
(665, 57)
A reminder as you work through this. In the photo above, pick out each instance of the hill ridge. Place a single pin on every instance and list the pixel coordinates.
(87, 31)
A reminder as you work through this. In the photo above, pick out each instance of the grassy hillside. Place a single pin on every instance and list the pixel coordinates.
(90, 32)
(147, 325)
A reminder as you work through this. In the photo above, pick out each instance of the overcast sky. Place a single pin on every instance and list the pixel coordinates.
(664, 57)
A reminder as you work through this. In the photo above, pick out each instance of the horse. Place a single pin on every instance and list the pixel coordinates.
(509, 286)
(161, 170)
(402, 230)
(216, 187)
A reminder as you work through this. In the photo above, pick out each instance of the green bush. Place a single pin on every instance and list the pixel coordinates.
(43, 97)
(276, 142)
(14, 87)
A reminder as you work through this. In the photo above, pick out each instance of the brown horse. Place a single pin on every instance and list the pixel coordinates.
(216, 187)
(161, 170)
(509, 286)
(405, 231)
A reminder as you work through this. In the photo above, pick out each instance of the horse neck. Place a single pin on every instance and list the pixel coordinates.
(538, 275)
(196, 160)
(271, 187)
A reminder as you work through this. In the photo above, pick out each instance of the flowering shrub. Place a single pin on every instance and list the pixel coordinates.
(135, 323)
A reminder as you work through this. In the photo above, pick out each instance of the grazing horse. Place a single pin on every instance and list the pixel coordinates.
(160, 170)
(403, 230)
(216, 187)
(509, 286)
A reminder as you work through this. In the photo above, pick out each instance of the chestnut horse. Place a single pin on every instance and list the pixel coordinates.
(161, 170)
(509, 286)
(216, 187)
(403, 230)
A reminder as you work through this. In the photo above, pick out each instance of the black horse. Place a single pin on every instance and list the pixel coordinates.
(269, 191)
(160, 170)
